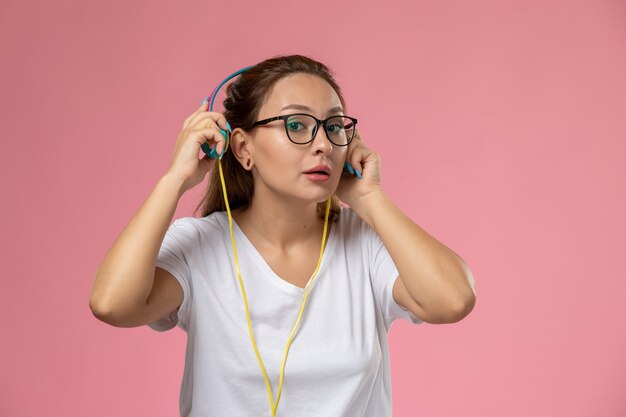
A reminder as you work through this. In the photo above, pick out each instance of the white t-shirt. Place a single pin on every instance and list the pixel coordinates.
(338, 362)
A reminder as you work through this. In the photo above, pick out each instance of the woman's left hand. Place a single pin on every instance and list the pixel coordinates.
(352, 189)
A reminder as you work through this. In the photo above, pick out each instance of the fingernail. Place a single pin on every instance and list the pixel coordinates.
(358, 174)
(350, 169)
(213, 154)
(225, 147)
(228, 127)
(204, 101)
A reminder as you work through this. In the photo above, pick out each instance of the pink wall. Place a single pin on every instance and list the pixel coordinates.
(501, 128)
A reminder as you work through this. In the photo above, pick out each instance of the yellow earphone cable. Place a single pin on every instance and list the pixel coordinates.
(273, 406)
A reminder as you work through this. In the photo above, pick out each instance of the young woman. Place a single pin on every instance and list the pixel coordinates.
(329, 289)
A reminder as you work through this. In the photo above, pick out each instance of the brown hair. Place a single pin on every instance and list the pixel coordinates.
(244, 98)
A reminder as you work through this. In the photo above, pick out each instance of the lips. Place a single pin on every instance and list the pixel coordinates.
(319, 169)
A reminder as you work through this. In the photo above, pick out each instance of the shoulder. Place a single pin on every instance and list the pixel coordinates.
(197, 226)
(351, 225)
(349, 217)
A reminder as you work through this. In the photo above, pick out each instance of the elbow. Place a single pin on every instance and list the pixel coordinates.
(98, 304)
(100, 311)
(462, 309)
(116, 317)
(105, 314)
(457, 308)
(466, 308)
(451, 313)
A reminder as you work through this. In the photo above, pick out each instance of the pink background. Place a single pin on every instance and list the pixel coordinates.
(501, 128)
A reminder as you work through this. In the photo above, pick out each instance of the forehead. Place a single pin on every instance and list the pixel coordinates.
(305, 89)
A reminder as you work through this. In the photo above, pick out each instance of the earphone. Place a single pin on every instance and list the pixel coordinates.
(205, 146)
(213, 155)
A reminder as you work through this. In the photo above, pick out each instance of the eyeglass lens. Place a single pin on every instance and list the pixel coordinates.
(301, 128)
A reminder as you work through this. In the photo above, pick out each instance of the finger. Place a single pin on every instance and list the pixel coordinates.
(355, 160)
(219, 145)
(215, 139)
(211, 136)
(357, 136)
(202, 121)
(200, 117)
(222, 145)
(348, 167)
(202, 108)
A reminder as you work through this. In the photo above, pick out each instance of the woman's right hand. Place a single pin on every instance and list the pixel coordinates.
(200, 127)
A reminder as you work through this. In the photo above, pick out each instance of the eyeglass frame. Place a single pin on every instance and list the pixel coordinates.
(319, 122)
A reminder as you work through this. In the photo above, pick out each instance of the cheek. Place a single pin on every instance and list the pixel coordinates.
(338, 163)
(279, 161)
(340, 159)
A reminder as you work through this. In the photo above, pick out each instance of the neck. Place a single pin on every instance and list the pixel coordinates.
(280, 224)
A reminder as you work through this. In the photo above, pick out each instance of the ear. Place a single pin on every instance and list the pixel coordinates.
(240, 145)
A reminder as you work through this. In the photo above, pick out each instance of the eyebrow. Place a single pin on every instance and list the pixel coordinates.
(303, 107)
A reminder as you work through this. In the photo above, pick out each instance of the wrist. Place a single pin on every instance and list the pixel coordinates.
(368, 204)
(174, 182)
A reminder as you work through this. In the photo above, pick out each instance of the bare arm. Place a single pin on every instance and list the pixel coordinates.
(433, 276)
(125, 277)
(128, 290)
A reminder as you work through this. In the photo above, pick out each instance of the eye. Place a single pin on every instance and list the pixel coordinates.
(335, 127)
(293, 125)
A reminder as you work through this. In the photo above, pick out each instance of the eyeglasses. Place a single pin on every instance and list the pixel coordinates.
(301, 127)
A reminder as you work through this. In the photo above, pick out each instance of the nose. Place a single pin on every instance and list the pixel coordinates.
(321, 141)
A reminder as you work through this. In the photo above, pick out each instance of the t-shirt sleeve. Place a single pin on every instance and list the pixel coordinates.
(383, 275)
(173, 256)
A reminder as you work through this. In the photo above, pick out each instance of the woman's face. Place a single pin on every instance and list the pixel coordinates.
(279, 163)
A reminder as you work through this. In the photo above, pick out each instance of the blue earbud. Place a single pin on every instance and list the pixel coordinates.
(212, 153)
